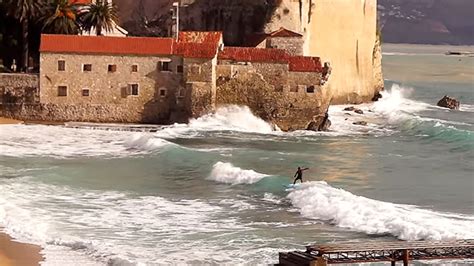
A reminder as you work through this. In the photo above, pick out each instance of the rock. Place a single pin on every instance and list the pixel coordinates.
(358, 111)
(351, 108)
(360, 123)
(320, 123)
(377, 96)
(449, 102)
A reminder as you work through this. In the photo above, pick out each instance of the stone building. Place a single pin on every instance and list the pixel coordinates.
(167, 80)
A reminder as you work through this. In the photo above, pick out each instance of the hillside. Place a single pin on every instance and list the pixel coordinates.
(427, 21)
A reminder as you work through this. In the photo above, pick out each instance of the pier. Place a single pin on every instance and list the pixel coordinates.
(360, 252)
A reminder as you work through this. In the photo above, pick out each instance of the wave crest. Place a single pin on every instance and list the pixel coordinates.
(227, 173)
(318, 200)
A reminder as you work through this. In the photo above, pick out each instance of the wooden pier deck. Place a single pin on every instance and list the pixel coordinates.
(359, 252)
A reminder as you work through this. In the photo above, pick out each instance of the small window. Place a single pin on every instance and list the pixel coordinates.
(181, 93)
(294, 89)
(179, 69)
(162, 92)
(310, 89)
(61, 65)
(165, 66)
(134, 68)
(134, 89)
(62, 91)
(87, 67)
(279, 88)
(85, 92)
(112, 68)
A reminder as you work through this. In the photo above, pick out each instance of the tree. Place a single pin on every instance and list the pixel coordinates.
(100, 15)
(60, 17)
(24, 11)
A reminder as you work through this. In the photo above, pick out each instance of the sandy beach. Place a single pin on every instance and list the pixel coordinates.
(5, 121)
(13, 253)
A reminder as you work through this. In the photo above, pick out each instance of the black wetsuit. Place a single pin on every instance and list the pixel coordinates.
(299, 176)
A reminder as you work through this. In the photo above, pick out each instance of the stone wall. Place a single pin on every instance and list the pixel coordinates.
(18, 88)
(163, 95)
(269, 91)
(342, 32)
(293, 45)
(103, 113)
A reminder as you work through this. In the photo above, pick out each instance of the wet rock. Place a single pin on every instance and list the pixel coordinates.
(359, 111)
(449, 102)
(377, 96)
(320, 123)
(350, 108)
(360, 123)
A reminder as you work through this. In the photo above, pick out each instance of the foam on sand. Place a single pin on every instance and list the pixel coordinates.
(318, 200)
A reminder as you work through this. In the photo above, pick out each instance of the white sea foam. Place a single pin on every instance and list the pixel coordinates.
(466, 108)
(226, 118)
(318, 200)
(104, 226)
(60, 142)
(227, 173)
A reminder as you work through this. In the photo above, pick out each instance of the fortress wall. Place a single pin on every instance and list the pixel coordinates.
(343, 33)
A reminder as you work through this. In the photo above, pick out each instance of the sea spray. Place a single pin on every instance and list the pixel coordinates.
(318, 200)
(227, 173)
(232, 117)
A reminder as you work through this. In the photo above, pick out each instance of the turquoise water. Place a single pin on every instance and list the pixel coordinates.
(212, 191)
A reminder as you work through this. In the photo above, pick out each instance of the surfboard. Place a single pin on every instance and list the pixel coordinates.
(291, 186)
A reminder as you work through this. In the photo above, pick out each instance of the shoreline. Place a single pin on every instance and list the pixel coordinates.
(15, 253)
(9, 121)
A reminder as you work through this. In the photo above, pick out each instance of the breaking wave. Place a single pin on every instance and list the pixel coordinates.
(230, 174)
(230, 118)
(318, 200)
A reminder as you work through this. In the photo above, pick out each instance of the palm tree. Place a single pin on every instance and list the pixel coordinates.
(60, 17)
(100, 15)
(24, 11)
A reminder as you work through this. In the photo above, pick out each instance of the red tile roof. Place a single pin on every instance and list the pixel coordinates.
(282, 32)
(195, 50)
(200, 37)
(84, 2)
(305, 64)
(106, 45)
(295, 63)
(253, 54)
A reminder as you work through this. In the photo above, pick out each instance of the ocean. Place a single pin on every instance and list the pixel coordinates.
(212, 191)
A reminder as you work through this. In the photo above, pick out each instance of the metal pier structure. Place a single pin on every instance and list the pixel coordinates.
(360, 252)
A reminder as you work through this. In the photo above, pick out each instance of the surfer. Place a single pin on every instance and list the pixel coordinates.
(299, 174)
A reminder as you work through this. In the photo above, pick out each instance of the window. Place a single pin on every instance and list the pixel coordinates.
(85, 92)
(179, 69)
(165, 66)
(132, 89)
(181, 93)
(87, 67)
(134, 68)
(294, 89)
(112, 68)
(61, 65)
(162, 92)
(62, 91)
(310, 89)
(279, 88)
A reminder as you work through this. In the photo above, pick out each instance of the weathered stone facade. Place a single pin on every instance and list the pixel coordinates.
(18, 88)
(343, 32)
(157, 90)
(153, 80)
